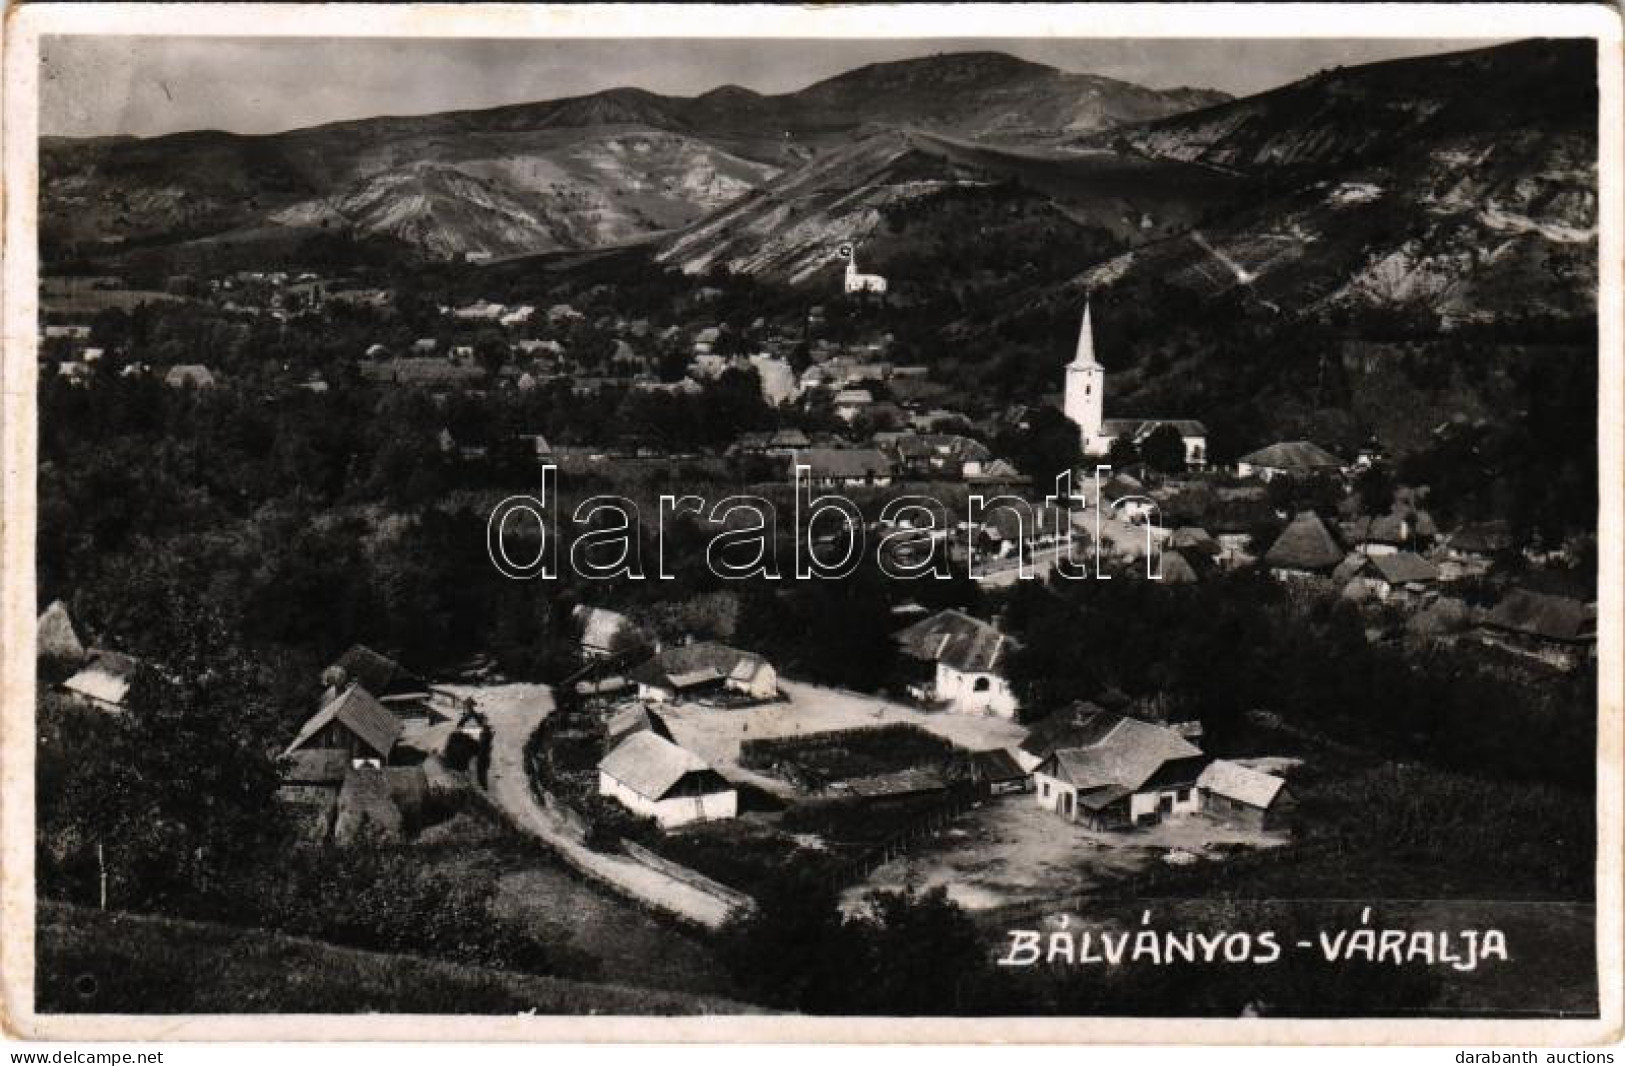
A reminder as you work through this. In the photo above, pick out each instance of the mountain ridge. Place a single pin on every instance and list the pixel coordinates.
(100, 192)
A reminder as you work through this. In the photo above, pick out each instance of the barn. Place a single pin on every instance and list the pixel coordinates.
(654, 777)
(354, 723)
(1243, 796)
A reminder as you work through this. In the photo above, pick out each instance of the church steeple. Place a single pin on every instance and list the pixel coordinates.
(1085, 399)
(1086, 341)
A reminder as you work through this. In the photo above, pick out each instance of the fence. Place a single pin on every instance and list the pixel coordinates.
(693, 878)
(959, 799)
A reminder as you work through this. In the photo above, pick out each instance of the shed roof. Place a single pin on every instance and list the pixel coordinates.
(1241, 783)
(106, 677)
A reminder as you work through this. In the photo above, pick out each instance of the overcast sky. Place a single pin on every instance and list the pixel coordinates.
(149, 85)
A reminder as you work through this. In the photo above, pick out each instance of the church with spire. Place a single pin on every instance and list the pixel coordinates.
(1085, 405)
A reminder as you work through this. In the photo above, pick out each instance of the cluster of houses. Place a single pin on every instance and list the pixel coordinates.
(1107, 770)
(381, 743)
(1103, 769)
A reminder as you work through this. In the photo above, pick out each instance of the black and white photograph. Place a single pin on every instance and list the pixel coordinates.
(1004, 522)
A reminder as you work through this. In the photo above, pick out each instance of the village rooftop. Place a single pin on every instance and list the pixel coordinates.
(743, 543)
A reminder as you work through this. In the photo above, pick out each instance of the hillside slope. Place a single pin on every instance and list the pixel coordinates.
(115, 963)
(574, 173)
(1459, 187)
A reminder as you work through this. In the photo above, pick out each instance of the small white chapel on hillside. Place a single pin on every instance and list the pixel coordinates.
(1085, 405)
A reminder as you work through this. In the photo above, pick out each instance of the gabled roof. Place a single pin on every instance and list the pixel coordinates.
(1076, 726)
(1127, 756)
(357, 711)
(693, 664)
(651, 765)
(637, 718)
(378, 674)
(1305, 544)
(1401, 568)
(957, 640)
(1297, 455)
(1241, 783)
(1537, 614)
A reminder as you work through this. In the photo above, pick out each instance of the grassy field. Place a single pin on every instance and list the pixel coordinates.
(91, 961)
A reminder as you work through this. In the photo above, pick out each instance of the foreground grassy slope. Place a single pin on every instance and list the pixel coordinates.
(90, 961)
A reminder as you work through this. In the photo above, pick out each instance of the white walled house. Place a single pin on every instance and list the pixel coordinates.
(1119, 772)
(693, 670)
(967, 656)
(653, 777)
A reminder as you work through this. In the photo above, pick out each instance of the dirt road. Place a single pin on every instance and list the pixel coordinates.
(513, 712)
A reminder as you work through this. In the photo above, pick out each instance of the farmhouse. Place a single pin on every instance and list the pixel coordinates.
(1299, 459)
(844, 468)
(1305, 548)
(1130, 773)
(353, 723)
(1557, 630)
(104, 681)
(1085, 404)
(1239, 794)
(1396, 575)
(692, 670)
(968, 655)
(654, 777)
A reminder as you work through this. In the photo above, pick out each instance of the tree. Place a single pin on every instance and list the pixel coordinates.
(1164, 450)
(1122, 453)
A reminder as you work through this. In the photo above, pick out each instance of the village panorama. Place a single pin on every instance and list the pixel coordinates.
(913, 542)
(810, 405)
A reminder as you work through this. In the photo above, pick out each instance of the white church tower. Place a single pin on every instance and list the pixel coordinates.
(1085, 402)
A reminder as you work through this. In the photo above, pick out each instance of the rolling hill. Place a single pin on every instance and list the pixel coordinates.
(1459, 187)
(566, 174)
